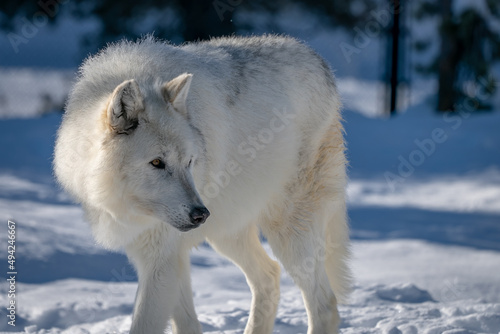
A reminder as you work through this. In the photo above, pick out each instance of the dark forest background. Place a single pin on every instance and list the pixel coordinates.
(469, 44)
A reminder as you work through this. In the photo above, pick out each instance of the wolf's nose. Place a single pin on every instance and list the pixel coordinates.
(199, 215)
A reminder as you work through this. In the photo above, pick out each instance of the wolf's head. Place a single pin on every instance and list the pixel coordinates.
(149, 154)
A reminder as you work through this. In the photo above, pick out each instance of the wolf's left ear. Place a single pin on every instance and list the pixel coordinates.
(176, 91)
(124, 107)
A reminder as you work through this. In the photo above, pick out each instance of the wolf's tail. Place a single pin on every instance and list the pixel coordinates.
(338, 253)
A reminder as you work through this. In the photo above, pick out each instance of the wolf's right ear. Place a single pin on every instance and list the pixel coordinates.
(176, 91)
(124, 107)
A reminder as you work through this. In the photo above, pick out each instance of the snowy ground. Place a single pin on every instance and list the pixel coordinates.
(426, 244)
(402, 286)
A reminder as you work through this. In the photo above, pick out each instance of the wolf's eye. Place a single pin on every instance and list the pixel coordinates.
(190, 162)
(158, 163)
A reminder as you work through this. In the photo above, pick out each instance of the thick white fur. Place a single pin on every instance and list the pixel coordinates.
(249, 128)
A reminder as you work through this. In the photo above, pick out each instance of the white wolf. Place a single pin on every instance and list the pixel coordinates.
(157, 138)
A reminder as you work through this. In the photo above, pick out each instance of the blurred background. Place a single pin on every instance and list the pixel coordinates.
(419, 81)
(455, 42)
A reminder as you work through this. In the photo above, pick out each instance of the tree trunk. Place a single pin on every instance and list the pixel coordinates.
(206, 19)
(448, 60)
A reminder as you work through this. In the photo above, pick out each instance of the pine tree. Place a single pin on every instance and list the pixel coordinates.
(468, 50)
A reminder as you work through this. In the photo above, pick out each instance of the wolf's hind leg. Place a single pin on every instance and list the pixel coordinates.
(301, 248)
(262, 274)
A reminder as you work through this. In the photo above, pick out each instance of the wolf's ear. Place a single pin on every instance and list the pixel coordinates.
(124, 107)
(176, 91)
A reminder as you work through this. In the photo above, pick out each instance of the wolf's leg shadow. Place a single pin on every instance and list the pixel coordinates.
(262, 274)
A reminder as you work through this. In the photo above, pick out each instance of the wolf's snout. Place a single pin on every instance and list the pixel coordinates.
(198, 215)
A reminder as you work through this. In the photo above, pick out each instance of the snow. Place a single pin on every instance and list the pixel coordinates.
(480, 193)
(461, 293)
(48, 90)
(425, 251)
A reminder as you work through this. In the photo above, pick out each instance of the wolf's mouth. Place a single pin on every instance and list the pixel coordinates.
(187, 228)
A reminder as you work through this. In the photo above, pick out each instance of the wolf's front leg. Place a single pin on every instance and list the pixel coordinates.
(153, 303)
(164, 289)
(185, 320)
